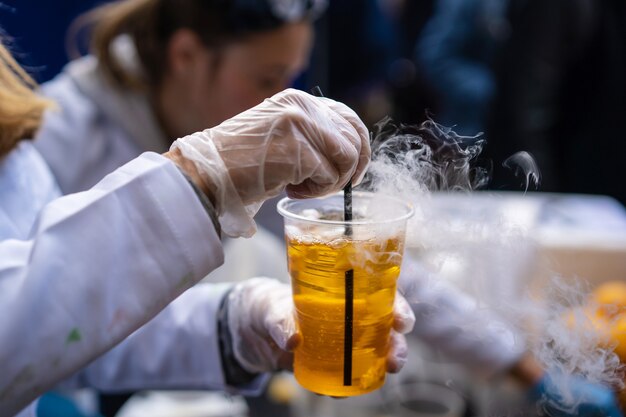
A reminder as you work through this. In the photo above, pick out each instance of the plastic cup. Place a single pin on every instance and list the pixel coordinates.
(344, 317)
(426, 399)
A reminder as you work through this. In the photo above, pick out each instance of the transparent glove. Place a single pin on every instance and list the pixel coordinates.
(309, 145)
(263, 329)
(558, 395)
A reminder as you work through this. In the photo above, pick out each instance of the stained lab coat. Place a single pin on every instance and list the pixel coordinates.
(99, 127)
(80, 273)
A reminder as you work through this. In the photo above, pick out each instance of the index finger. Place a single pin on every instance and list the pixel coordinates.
(365, 151)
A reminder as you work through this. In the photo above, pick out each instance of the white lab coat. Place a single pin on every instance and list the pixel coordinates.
(97, 128)
(80, 273)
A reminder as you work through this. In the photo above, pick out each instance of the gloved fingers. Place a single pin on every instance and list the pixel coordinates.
(339, 144)
(293, 342)
(311, 188)
(262, 325)
(403, 316)
(398, 352)
(291, 95)
(324, 180)
(283, 330)
(359, 126)
(334, 131)
(281, 327)
(279, 321)
(364, 161)
(310, 145)
(320, 149)
(342, 142)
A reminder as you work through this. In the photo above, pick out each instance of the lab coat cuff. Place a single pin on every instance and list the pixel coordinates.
(206, 204)
(253, 389)
(205, 322)
(234, 372)
(235, 379)
(216, 374)
(197, 235)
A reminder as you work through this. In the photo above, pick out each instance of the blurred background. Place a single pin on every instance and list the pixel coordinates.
(548, 78)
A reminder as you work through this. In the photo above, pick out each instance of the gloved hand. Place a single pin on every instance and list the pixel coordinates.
(263, 329)
(310, 145)
(453, 323)
(558, 395)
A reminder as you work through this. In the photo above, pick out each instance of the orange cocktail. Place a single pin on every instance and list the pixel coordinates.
(320, 253)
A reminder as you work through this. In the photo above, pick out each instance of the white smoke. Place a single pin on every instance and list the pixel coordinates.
(487, 253)
(523, 165)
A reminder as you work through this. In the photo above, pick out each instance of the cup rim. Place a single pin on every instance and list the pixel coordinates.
(282, 210)
(428, 390)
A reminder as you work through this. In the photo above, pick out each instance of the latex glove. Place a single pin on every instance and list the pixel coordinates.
(263, 330)
(309, 145)
(560, 395)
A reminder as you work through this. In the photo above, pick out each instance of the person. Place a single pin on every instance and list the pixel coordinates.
(120, 46)
(162, 69)
(81, 273)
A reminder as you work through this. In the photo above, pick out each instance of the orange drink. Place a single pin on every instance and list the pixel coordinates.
(345, 325)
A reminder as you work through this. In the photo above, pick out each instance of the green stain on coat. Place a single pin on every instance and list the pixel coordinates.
(73, 336)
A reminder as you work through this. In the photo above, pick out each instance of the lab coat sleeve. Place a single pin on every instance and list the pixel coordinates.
(451, 322)
(98, 265)
(178, 349)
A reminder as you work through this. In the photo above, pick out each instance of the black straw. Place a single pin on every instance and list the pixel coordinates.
(317, 91)
(349, 279)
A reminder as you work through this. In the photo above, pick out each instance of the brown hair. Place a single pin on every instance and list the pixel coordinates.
(21, 110)
(151, 23)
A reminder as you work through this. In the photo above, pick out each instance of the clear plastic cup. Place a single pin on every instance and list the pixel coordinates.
(343, 277)
(425, 399)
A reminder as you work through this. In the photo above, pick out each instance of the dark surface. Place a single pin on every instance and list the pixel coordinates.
(561, 81)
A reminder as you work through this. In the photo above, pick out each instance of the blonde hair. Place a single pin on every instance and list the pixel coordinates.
(136, 17)
(21, 110)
